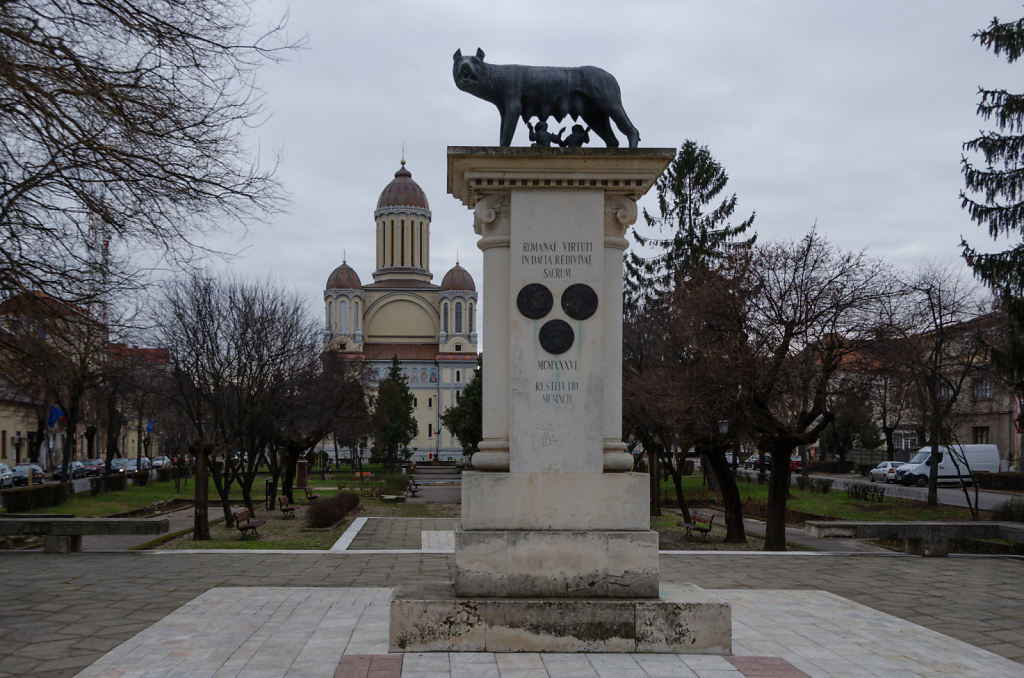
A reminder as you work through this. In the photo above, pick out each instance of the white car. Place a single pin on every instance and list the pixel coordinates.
(6, 479)
(886, 471)
(162, 462)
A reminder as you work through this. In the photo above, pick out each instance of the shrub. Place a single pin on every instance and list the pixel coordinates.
(395, 483)
(865, 492)
(803, 482)
(327, 512)
(822, 485)
(823, 467)
(112, 482)
(140, 478)
(21, 499)
(688, 467)
(1011, 509)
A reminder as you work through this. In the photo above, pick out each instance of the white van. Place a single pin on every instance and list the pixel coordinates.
(978, 458)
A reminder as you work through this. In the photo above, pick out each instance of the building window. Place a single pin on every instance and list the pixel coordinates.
(341, 346)
(355, 315)
(415, 402)
(430, 402)
(458, 376)
(342, 313)
(945, 391)
(430, 430)
(330, 306)
(472, 319)
(444, 313)
(458, 348)
(3, 444)
(982, 388)
(458, 317)
(979, 435)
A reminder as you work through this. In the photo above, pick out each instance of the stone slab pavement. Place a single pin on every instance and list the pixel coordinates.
(61, 613)
(306, 632)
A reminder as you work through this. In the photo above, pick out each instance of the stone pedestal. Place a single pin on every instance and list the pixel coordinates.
(684, 618)
(554, 551)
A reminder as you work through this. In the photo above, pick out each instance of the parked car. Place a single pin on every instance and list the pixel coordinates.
(95, 467)
(162, 462)
(19, 474)
(885, 472)
(117, 465)
(796, 463)
(76, 469)
(6, 478)
(753, 460)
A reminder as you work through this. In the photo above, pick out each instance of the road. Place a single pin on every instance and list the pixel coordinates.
(949, 495)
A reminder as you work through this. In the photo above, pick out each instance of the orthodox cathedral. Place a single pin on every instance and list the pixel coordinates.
(401, 313)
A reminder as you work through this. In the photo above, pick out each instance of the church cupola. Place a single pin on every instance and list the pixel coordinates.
(403, 230)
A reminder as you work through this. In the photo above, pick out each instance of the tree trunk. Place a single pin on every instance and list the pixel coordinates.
(291, 458)
(731, 501)
(933, 469)
(778, 491)
(676, 471)
(653, 460)
(222, 482)
(201, 518)
(890, 445)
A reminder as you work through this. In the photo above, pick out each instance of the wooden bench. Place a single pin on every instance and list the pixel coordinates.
(64, 535)
(310, 497)
(701, 522)
(922, 538)
(245, 523)
(413, 488)
(287, 508)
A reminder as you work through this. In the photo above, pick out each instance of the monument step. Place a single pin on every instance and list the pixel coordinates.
(684, 619)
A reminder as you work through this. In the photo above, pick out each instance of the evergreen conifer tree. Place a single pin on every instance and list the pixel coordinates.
(690, 232)
(392, 423)
(994, 198)
(465, 418)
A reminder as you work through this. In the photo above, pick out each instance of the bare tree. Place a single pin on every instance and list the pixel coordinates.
(810, 307)
(123, 129)
(946, 348)
(242, 355)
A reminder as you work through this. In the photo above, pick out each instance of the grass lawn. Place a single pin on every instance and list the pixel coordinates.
(833, 504)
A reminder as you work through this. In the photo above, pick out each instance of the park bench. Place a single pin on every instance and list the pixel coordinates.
(287, 508)
(922, 538)
(700, 521)
(245, 523)
(413, 488)
(64, 535)
(310, 497)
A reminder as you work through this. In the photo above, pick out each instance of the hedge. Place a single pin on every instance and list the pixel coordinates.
(112, 482)
(1008, 480)
(327, 512)
(21, 499)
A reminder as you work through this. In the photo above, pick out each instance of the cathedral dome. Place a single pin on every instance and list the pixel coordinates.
(458, 278)
(343, 278)
(401, 193)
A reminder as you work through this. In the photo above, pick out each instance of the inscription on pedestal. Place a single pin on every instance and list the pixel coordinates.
(556, 366)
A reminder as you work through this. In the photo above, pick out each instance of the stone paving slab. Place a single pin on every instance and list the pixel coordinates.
(91, 602)
(305, 631)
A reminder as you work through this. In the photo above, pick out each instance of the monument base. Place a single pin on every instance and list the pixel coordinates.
(556, 563)
(684, 619)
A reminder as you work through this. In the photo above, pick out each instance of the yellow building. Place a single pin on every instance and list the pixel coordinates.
(431, 328)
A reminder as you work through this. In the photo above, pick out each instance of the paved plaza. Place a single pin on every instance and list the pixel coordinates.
(322, 614)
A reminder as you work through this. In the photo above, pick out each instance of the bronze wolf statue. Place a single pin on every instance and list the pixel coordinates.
(542, 91)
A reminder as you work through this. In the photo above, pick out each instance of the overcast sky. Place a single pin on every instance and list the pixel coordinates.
(851, 114)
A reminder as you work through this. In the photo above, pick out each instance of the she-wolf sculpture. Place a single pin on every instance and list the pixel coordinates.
(543, 91)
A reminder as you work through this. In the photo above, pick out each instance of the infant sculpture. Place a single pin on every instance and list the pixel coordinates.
(584, 92)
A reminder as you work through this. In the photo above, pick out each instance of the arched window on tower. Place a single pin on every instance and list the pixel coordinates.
(444, 314)
(458, 317)
(342, 309)
(355, 315)
(330, 309)
(401, 229)
(472, 318)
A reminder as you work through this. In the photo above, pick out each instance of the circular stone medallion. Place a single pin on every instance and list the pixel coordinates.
(534, 301)
(556, 336)
(579, 301)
